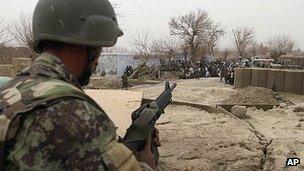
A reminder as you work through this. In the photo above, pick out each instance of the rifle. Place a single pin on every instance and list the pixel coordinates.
(144, 120)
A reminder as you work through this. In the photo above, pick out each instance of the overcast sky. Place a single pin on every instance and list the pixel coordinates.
(267, 17)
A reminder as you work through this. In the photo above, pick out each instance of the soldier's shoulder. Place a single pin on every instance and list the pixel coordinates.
(70, 111)
(70, 129)
(73, 120)
(33, 91)
(56, 100)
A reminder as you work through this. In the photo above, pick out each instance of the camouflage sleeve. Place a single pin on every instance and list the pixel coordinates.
(145, 167)
(69, 135)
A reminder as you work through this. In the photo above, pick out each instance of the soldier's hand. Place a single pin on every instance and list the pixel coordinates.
(146, 155)
(155, 137)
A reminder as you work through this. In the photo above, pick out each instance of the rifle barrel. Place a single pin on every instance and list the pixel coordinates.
(173, 86)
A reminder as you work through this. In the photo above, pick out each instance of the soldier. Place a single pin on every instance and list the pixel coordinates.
(124, 80)
(47, 122)
(197, 73)
(224, 73)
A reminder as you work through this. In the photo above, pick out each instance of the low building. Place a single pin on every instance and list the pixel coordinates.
(116, 63)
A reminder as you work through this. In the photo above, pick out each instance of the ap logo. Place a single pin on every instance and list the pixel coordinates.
(292, 161)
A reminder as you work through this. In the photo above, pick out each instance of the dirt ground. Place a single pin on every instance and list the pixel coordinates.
(125, 103)
(200, 140)
(282, 131)
(193, 139)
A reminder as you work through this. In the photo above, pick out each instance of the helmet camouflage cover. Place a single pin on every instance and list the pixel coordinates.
(91, 23)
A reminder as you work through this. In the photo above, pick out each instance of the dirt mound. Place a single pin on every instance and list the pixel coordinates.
(252, 95)
(104, 83)
(204, 91)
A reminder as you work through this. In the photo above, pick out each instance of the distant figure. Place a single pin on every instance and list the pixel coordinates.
(197, 73)
(207, 72)
(221, 70)
(124, 79)
(224, 74)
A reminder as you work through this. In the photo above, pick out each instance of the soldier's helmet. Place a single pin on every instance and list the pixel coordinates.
(92, 23)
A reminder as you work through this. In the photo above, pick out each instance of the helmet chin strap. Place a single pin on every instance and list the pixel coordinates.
(84, 78)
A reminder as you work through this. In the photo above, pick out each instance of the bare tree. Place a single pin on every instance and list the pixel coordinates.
(212, 37)
(4, 39)
(164, 49)
(280, 45)
(191, 29)
(263, 49)
(142, 43)
(253, 49)
(159, 48)
(243, 38)
(225, 53)
(257, 49)
(23, 34)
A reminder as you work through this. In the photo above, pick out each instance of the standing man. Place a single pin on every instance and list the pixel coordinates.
(221, 72)
(47, 122)
(224, 72)
(124, 80)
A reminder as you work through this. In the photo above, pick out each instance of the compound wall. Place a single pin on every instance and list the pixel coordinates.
(116, 63)
(17, 65)
(7, 71)
(289, 81)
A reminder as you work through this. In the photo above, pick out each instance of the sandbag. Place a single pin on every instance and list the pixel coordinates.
(297, 82)
(262, 80)
(280, 80)
(255, 77)
(288, 86)
(247, 72)
(271, 79)
(238, 80)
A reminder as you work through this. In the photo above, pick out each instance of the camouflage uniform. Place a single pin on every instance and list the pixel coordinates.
(68, 132)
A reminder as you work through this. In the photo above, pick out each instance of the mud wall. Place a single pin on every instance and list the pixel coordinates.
(17, 65)
(289, 81)
(7, 71)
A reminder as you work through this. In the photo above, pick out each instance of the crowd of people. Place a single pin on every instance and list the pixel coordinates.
(224, 69)
(202, 69)
(187, 70)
